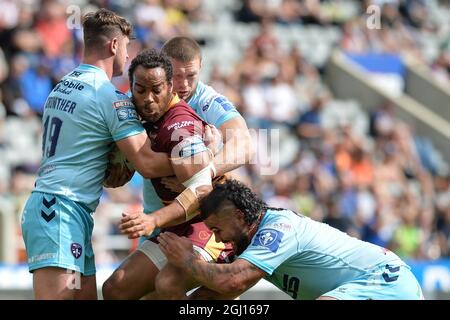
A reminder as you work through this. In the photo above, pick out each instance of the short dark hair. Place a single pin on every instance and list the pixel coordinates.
(236, 193)
(183, 49)
(150, 58)
(103, 25)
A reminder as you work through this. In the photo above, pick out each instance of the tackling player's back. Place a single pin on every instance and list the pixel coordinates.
(321, 256)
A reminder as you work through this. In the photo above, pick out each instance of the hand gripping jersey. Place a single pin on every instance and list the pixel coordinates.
(83, 116)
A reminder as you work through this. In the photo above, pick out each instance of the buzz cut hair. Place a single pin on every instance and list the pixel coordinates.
(183, 49)
(101, 26)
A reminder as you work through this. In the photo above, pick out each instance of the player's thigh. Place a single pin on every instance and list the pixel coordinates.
(136, 276)
(172, 277)
(52, 283)
(173, 283)
(55, 283)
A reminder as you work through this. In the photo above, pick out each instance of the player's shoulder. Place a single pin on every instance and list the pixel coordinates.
(282, 220)
(107, 89)
(206, 98)
(99, 81)
(204, 91)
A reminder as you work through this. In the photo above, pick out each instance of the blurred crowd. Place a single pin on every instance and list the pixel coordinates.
(379, 184)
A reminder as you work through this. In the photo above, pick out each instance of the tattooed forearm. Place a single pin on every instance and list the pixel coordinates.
(203, 271)
(224, 278)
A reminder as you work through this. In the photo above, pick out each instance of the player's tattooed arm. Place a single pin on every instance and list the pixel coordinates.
(227, 279)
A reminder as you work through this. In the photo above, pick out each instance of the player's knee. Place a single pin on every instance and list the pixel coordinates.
(63, 295)
(168, 286)
(112, 288)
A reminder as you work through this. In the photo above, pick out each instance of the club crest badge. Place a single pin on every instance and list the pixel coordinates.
(76, 250)
(269, 238)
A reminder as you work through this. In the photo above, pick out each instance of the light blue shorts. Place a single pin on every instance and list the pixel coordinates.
(57, 233)
(386, 282)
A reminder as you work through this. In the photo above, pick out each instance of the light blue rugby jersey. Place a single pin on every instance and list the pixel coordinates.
(83, 116)
(306, 258)
(214, 109)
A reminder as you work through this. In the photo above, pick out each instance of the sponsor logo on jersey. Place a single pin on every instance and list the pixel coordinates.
(126, 113)
(122, 114)
(125, 109)
(204, 235)
(224, 103)
(75, 74)
(269, 238)
(181, 124)
(66, 86)
(71, 84)
(281, 226)
(122, 103)
(206, 105)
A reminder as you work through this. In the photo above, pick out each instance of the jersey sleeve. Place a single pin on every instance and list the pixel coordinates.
(272, 245)
(119, 113)
(215, 109)
(182, 135)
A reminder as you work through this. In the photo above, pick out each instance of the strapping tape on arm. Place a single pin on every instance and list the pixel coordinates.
(188, 198)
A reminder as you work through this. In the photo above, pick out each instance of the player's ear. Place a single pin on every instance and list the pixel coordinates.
(114, 45)
(170, 85)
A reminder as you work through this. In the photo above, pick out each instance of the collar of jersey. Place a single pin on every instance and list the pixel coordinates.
(86, 66)
(175, 99)
(200, 86)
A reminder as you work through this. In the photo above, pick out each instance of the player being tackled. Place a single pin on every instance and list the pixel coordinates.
(175, 129)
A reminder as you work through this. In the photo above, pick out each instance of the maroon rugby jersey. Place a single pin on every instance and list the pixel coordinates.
(180, 122)
(177, 124)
